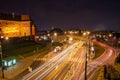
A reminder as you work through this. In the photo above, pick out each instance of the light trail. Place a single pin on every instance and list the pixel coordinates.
(53, 60)
(103, 59)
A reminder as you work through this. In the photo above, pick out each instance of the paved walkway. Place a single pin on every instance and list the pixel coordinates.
(13, 71)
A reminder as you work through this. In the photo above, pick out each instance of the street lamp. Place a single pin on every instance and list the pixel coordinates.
(84, 34)
(70, 38)
(86, 66)
(6, 38)
(87, 52)
(2, 66)
(110, 35)
(55, 34)
(51, 43)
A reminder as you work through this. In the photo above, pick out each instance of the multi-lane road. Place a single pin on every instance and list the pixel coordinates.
(69, 64)
(107, 57)
(44, 70)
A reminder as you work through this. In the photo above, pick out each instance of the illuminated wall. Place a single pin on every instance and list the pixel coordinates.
(15, 28)
(33, 30)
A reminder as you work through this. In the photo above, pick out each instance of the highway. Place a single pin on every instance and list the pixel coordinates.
(67, 69)
(70, 63)
(50, 65)
(107, 57)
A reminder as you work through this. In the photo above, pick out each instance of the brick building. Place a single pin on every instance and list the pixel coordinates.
(14, 26)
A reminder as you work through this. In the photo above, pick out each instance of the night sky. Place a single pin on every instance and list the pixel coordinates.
(68, 14)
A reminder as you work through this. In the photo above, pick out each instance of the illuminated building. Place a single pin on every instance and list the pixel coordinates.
(13, 25)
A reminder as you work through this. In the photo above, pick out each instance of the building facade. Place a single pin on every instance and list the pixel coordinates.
(12, 26)
(57, 35)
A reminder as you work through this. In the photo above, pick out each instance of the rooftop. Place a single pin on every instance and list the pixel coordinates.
(14, 17)
(56, 30)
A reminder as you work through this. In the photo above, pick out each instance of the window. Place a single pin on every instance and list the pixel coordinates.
(25, 34)
(0, 30)
(6, 28)
(6, 23)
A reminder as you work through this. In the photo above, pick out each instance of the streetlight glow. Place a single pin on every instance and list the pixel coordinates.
(70, 38)
(55, 34)
(84, 34)
(48, 34)
(110, 35)
(88, 32)
(6, 38)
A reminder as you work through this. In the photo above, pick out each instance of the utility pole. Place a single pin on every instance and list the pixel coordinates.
(86, 58)
(2, 66)
(86, 66)
(87, 53)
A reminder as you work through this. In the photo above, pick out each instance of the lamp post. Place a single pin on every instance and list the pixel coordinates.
(51, 40)
(87, 52)
(86, 66)
(2, 66)
(51, 43)
(55, 36)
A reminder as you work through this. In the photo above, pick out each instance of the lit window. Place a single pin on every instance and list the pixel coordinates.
(25, 28)
(24, 34)
(6, 28)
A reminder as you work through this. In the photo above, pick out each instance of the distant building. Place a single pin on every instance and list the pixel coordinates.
(13, 26)
(116, 39)
(73, 32)
(110, 37)
(57, 35)
(42, 35)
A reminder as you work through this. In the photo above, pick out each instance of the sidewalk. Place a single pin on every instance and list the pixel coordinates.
(13, 71)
